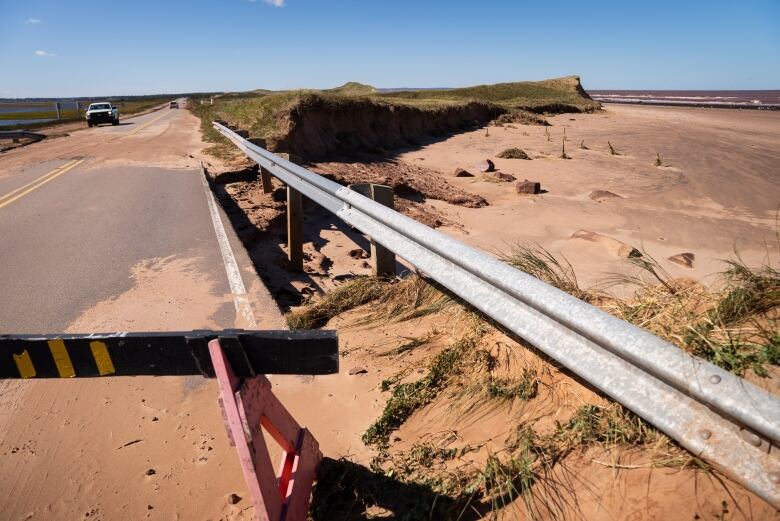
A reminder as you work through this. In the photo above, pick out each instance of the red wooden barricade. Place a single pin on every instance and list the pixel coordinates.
(248, 405)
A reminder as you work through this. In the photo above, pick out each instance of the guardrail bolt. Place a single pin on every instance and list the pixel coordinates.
(705, 434)
(715, 379)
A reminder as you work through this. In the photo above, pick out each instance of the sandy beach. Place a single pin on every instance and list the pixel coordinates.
(715, 195)
(717, 192)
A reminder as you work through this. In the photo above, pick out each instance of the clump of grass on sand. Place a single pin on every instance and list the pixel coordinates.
(734, 326)
(543, 265)
(402, 298)
(406, 398)
(658, 161)
(513, 153)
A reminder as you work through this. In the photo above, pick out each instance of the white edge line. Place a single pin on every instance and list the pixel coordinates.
(240, 298)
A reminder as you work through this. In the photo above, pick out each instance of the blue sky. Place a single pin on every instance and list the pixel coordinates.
(72, 48)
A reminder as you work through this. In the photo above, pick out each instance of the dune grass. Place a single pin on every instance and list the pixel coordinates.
(264, 113)
(733, 325)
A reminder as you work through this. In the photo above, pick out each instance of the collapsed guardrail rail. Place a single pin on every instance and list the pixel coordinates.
(16, 135)
(715, 414)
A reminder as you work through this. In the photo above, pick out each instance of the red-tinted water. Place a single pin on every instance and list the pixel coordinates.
(751, 99)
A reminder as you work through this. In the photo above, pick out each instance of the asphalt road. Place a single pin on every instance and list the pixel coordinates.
(74, 228)
(109, 229)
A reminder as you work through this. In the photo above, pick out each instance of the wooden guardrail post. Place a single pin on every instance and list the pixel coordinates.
(382, 259)
(265, 175)
(294, 223)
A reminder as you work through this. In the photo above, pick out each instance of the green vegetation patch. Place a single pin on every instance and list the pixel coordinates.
(273, 115)
(513, 153)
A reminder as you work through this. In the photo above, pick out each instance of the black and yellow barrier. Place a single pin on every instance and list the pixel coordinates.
(167, 354)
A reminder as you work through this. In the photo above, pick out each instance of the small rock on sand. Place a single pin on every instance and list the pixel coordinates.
(600, 195)
(683, 259)
(617, 247)
(500, 176)
(233, 499)
(459, 172)
(358, 253)
(486, 166)
(358, 370)
(528, 187)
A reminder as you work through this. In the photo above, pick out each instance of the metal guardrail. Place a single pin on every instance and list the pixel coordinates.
(716, 415)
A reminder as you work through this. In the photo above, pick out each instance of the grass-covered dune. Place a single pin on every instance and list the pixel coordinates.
(315, 124)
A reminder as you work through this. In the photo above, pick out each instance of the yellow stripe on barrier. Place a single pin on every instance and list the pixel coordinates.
(24, 365)
(61, 358)
(102, 358)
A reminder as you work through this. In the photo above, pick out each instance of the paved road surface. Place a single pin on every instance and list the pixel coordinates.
(109, 229)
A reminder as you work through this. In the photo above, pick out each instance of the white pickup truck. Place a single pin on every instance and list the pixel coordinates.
(102, 112)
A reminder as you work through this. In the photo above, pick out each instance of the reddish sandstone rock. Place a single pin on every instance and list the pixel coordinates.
(601, 195)
(500, 176)
(615, 246)
(528, 187)
(683, 259)
(459, 172)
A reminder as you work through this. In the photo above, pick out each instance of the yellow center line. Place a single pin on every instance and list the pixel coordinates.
(12, 192)
(43, 180)
(143, 126)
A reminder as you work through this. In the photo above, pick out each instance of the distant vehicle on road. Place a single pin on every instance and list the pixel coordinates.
(103, 112)
(174, 105)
